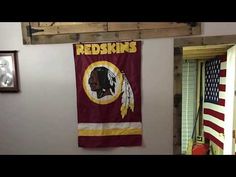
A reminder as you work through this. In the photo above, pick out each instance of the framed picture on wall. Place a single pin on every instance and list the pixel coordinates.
(8, 71)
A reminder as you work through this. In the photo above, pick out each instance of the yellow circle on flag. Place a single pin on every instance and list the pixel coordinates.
(102, 82)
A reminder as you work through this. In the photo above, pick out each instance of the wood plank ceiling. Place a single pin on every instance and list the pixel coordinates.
(205, 52)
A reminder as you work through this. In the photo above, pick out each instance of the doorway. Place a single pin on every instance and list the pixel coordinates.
(190, 56)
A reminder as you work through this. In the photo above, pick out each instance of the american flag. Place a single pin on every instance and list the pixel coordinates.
(214, 100)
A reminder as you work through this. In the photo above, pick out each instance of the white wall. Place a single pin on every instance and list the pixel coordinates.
(219, 28)
(41, 119)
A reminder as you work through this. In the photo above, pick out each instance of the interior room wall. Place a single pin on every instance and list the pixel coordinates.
(41, 119)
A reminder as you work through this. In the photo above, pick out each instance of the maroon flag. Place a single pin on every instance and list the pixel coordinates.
(108, 93)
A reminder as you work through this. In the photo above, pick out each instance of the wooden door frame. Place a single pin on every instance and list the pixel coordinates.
(179, 43)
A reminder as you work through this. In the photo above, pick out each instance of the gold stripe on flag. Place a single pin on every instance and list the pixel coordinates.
(101, 126)
(110, 132)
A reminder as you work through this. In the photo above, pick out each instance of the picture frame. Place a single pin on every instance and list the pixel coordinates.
(9, 81)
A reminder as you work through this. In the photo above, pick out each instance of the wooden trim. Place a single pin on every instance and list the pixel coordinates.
(124, 26)
(44, 24)
(177, 102)
(207, 47)
(211, 40)
(197, 54)
(68, 29)
(55, 39)
(166, 32)
(206, 51)
(117, 26)
(197, 29)
(198, 85)
(109, 36)
(161, 25)
(203, 51)
(60, 32)
(26, 37)
(35, 24)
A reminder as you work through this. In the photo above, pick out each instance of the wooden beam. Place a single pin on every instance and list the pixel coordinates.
(109, 36)
(206, 47)
(91, 37)
(177, 101)
(132, 35)
(129, 35)
(55, 39)
(178, 51)
(194, 41)
(119, 26)
(99, 31)
(197, 29)
(35, 24)
(202, 54)
(69, 29)
(124, 26)
(229, 39)
(201, 57)
(207, 51)
(165, 32)
(26, 37)
(160, 25)
(45, 24)
(210, 40)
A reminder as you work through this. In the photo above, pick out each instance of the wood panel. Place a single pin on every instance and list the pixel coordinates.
(161, 25)
(115, 26)
(165, 32)
(55, 39)
(108, 36)
(44, 24)
(207, 51)
(177, 102)
(26, 36)
(210, 40)
(124, 26)
(35, 24)
(67, 32)
(68, 29)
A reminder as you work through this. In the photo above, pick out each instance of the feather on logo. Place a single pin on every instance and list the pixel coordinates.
(127, 100)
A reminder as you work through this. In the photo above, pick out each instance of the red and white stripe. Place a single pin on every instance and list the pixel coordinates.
(214, 113)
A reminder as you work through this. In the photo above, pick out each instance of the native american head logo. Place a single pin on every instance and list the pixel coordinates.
(104, 83)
